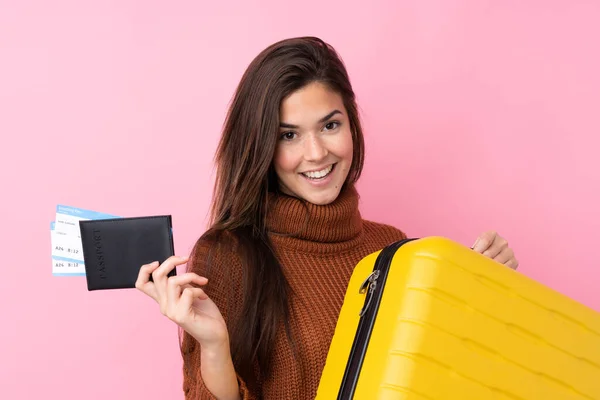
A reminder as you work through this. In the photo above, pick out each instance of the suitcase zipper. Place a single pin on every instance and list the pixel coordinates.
(373, 285)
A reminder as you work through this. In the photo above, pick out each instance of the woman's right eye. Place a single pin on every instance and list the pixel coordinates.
(288, 135)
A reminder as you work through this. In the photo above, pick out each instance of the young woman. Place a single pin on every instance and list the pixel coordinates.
(259, 303)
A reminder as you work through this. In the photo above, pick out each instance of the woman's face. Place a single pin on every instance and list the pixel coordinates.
(314, 148)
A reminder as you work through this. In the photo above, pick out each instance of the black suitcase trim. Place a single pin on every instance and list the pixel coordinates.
(375, 284)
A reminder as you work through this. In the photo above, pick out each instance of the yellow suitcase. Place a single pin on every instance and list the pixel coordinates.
(430, 319)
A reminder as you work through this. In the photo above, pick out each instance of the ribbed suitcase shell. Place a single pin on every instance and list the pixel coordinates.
(453, 324)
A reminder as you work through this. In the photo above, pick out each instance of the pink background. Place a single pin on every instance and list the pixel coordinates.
(478, 115)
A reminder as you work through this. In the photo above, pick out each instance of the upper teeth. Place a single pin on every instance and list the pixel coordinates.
(319, 174)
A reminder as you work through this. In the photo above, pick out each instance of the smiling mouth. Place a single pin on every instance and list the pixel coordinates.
(319, 175)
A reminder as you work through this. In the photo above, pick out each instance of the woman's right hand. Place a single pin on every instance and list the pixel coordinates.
(190, 308)
(183, 303)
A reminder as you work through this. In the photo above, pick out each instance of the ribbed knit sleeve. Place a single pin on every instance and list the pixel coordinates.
(219, 263)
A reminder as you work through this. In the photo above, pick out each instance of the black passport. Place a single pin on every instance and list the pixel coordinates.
(114, 249)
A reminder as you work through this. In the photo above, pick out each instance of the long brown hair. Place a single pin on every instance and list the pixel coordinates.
(245, 176)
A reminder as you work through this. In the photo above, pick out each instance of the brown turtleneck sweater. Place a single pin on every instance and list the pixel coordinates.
(321, 246)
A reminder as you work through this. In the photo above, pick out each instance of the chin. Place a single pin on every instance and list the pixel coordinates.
(323, 198)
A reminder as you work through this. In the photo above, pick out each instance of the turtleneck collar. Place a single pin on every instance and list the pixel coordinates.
(315, 228)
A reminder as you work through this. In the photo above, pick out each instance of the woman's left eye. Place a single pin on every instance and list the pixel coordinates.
(331, 125)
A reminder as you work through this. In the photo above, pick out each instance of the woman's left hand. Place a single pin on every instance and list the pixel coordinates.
(494, 246)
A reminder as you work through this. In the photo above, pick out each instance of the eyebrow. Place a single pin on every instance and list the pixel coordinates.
(325, 118)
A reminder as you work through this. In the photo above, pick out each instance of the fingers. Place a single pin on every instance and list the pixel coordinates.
(180, 313)
(160, 276)
(484, 241)
(157, 288)
(512, 263)
(177, 284)
(490, 244)
(509, 259)
(143, 280)
(160, 273)
(494, 246)
(504, 256)
(498, 246)
(175, 294)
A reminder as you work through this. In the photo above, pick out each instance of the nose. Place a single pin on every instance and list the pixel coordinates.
(314, 149)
